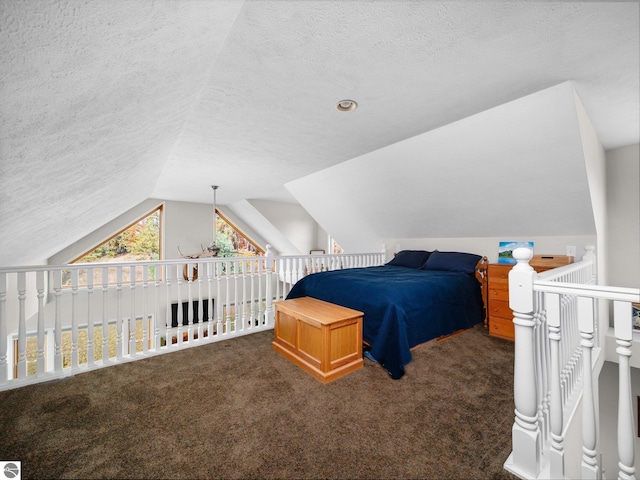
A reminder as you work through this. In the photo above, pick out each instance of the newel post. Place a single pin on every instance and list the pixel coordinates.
(525, 432)
(269, 285)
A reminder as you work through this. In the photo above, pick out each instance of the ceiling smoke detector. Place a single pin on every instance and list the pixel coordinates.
(346, 105)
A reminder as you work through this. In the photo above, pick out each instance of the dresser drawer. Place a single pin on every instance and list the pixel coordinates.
(500, 308)
(499, 274)
(501, 327)
(498, 311)
(498, 294)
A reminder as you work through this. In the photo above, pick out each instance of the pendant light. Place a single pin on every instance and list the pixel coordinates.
(213, 248)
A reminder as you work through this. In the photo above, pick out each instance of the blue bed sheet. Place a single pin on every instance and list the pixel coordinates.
(403, 307)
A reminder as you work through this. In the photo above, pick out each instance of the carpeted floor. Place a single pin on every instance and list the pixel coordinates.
(236, 409)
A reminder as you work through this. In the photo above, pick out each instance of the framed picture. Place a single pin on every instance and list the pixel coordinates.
(635, 316)
(316, 252)
(505, 251)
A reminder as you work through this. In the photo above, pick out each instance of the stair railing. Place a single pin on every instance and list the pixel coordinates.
(559, 351)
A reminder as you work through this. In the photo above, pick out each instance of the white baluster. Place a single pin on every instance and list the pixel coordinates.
(57, 288)
(279, 268)
(4, 366)
(261, 310)
(525, 432)
(254, 299)
(156, 312)
(22, 326)
(74, 319)
(623, 332)
(552, 302)
(190, 312)
(41, 332)
(168, 273)
(90, 339)
(179, 314)
(543, 383)
(210, 301)
(132, 316)
(105, 318)
(289, 268)
(119, 313)
(540, 367)
(590, 468)
(246, 323)
(546, 376)
(269, 315)
(201, 320)
(227, 285)
(286, 277)
(145, 314)
(237, 314)
(219, 328)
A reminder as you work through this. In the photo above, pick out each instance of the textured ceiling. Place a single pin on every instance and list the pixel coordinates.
(106, 103)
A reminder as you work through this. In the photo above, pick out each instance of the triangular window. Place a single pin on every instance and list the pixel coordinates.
(138, 242)
(233, 241)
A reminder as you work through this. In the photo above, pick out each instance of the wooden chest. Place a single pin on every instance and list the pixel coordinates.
(500, 315)
(323, 339)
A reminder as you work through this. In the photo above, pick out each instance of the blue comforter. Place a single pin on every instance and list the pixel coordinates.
(402, 307)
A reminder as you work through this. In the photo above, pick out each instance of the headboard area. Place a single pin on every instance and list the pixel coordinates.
(463, 262)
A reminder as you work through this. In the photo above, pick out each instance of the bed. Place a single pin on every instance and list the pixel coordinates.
(416, 297)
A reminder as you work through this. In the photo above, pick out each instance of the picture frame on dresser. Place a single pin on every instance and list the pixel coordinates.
(505, 251)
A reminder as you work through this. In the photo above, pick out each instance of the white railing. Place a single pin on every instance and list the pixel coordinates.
(58, 320)
(561, 320)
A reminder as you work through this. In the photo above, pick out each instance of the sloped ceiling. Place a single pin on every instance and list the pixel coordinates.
(516, 169)
(103, 106)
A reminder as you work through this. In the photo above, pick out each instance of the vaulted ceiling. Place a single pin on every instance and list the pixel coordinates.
(104, 104)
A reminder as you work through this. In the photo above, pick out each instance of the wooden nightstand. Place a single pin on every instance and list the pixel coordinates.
(499, 313)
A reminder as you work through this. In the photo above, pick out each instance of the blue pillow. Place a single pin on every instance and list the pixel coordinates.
(410, 258)
(453, 262)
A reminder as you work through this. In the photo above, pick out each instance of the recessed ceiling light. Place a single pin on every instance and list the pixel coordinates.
(346, 105)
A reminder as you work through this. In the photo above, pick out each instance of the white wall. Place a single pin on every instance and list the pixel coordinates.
(623, 214)
(190, 227)
(292, 221)
(488, 246)
(594, 159)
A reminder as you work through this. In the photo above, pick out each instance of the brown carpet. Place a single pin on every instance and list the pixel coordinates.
(236, 409)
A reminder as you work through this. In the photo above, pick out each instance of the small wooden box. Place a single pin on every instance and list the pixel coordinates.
(542, 263)
(323, 339)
